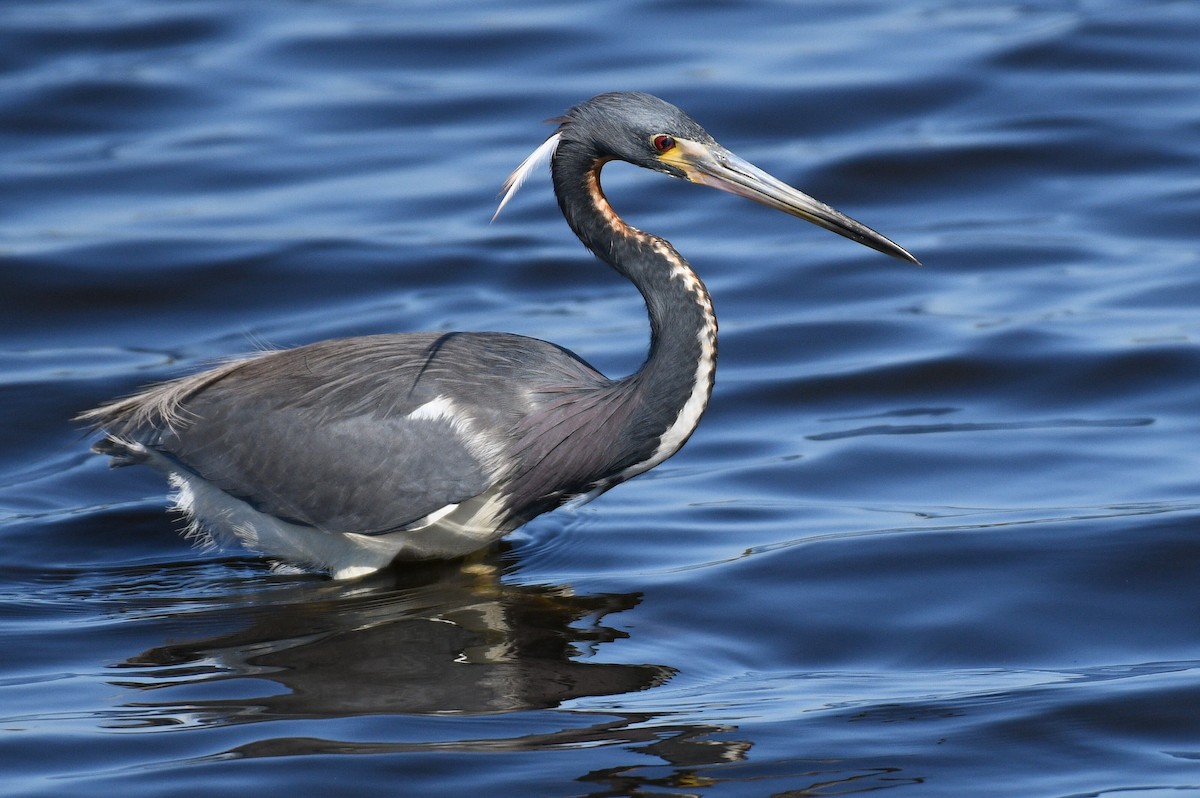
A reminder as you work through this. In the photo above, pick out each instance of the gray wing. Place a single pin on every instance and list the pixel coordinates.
(364, 435)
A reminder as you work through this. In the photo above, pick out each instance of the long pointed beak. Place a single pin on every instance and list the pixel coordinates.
(718, 167)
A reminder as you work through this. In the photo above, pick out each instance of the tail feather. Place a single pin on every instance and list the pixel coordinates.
(122, 452)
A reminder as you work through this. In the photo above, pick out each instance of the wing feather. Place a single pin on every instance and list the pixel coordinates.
(367, 435)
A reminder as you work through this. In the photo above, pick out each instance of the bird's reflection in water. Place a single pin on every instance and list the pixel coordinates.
(432, 638)
(444, 639)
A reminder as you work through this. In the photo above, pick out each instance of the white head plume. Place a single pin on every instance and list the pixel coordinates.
(543, 153)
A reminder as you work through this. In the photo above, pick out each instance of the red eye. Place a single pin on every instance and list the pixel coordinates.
(664, 143)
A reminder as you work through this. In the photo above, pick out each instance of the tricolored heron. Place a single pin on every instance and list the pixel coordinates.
(348, 455)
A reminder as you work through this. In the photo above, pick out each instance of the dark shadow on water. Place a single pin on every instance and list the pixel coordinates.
(431, 639)
(443, 639)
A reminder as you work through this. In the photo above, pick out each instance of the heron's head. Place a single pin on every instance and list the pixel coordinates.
(637, 128)
(651, 133)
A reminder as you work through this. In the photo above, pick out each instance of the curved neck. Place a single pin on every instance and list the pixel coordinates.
(672, 387)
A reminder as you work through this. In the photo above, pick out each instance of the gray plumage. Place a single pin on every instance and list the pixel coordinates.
(347, 455)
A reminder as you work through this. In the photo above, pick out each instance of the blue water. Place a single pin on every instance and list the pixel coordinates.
(939, 533)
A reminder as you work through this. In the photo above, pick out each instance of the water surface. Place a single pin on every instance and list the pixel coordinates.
(939, 533)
